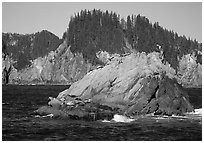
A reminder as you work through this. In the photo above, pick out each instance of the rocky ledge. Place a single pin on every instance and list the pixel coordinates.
(133, 85)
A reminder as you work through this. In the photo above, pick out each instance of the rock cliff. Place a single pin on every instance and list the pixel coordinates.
(190, 72)
(58, 67)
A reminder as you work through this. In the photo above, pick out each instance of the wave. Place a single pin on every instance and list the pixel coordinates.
(49, 115)
(196, 112)
(106, 121)
(195, 115)
(121, 118)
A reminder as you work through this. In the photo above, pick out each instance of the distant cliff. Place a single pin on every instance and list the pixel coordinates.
(18, 50)
(24, 48)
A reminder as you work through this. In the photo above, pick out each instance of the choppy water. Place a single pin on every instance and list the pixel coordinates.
(19, 122)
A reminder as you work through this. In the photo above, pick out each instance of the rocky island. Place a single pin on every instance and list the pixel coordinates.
(132, 85)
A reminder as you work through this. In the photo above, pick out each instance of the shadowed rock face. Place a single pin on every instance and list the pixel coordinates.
(132, 85)
(160, 96)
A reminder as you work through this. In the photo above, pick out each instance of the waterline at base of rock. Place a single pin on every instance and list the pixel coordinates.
(196, 112)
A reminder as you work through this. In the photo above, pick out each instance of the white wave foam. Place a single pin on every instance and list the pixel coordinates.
(195, 112)
(121, 118)
(106, 121)
(37, 116)
(160, 117)
(198, 111)
(49, 115)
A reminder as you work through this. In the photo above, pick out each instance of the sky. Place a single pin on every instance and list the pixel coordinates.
(25, 18)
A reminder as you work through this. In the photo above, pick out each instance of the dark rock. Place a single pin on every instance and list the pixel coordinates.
(164, 96)
(90, 112)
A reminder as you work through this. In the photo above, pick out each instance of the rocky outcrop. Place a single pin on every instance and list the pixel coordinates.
(132, 85)
(190, 72)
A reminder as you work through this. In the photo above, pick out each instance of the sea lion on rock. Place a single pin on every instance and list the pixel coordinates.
(55, 103)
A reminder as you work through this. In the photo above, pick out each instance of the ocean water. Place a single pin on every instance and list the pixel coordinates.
(20, 124)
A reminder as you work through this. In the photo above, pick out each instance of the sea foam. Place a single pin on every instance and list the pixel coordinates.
(121, 118)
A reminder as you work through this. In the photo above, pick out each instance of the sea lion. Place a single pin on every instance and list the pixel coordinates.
(55, 103)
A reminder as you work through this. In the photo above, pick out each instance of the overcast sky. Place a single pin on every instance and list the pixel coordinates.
(183, 18)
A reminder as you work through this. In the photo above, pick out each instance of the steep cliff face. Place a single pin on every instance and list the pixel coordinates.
(58, 67)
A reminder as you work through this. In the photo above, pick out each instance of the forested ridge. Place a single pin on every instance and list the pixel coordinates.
(92, 31)
(24, 48)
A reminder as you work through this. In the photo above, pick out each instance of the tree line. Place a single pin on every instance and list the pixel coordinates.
(148, 37)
